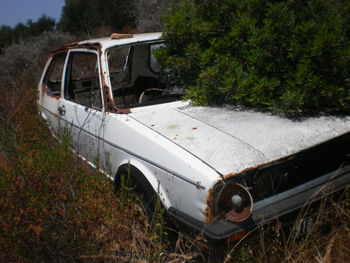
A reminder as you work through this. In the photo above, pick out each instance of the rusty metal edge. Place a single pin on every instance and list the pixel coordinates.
(108, 100)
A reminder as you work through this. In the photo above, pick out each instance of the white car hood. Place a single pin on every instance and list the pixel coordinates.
(230, 140)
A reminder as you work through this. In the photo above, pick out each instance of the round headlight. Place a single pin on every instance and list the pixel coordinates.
(235, 202)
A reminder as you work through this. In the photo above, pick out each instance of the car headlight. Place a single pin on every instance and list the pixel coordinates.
(235, 202)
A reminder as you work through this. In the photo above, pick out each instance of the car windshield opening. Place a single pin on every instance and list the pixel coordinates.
(137, 78)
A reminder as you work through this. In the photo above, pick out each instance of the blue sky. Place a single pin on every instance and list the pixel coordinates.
(13, 12)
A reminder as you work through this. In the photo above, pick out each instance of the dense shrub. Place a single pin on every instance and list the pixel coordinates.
(30, 56)
(289, 56)
(86, 16)
(149, 12)
(21, 65)
(20, 32)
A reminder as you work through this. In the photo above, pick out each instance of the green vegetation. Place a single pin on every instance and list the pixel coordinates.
(20, 32)
(79, 17)
(86, 16)
(288, 56)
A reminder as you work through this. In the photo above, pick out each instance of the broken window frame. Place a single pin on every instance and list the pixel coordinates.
(156, 93)
(68, 71)
(48, 82)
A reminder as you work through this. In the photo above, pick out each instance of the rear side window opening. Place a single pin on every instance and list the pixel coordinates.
(153, 62)
(53, 77)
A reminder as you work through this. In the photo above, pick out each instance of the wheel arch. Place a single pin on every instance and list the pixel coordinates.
(145, 178)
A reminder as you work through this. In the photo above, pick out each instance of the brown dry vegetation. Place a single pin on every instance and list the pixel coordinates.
(326, 242)
(54, 208)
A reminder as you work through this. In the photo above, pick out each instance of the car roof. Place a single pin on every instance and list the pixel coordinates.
(114, 40)
(108, 42)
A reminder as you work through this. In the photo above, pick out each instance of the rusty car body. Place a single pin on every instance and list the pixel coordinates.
(221, 171)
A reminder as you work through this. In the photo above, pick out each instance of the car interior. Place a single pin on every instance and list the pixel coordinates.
(136, 76)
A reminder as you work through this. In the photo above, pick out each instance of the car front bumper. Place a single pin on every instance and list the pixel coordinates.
(269, 209)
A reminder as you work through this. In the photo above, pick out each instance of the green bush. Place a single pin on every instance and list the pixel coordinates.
(289, 56)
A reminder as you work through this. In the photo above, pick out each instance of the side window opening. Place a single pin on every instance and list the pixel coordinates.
(153, 62)
(82, 80)
(53, 77)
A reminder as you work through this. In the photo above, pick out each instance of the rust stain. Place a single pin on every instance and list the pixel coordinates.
(237, 236)
(107, 96)
(232, 215)
(261, 165)
(95, 46)
(121, 36)
(238, 217)
(229, 175)
(237, 214)
(198, 185)
(108, 101)
(54, 96)
(44, 92)
(208, 212)
(122, 111)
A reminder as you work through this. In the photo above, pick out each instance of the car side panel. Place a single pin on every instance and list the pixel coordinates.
(177, 174)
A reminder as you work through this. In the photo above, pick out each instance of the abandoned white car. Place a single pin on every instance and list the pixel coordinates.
(219, 171)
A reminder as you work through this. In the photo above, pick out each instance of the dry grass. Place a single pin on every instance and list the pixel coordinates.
(55, 208)
(326, 241)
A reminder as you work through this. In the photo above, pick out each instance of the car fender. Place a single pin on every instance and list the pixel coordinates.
(146, 176)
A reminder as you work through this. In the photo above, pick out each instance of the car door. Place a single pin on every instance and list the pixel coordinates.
(50, 90)
(81, 107)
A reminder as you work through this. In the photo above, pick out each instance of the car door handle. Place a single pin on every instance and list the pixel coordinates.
(61, 110)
